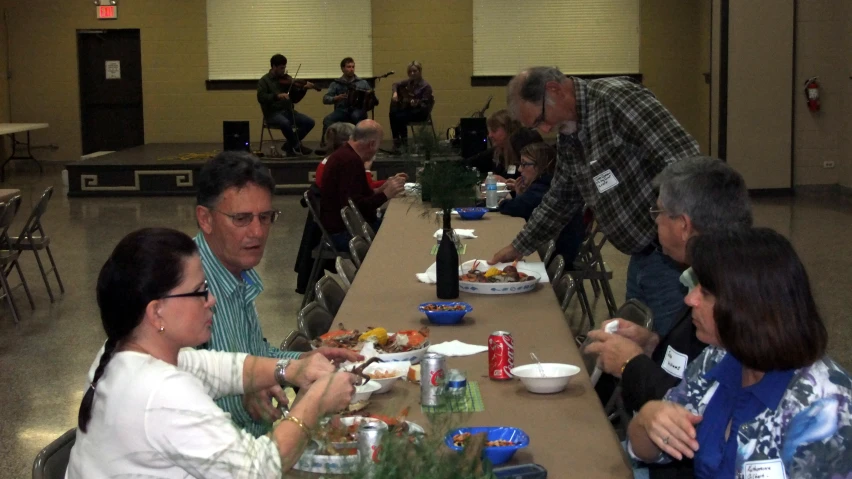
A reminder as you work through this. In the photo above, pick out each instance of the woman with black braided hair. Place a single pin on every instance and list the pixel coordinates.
(149, 409)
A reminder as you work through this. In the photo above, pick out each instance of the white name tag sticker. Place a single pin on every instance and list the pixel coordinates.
(675, 363)
(605, 181)
(511, 170)
(768, 469)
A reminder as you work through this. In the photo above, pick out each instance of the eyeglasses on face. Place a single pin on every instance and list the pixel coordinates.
(525, 164)
(245, 219)
(204, 293)
(541, 118)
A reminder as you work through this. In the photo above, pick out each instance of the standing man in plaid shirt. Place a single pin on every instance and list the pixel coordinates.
(614, 138)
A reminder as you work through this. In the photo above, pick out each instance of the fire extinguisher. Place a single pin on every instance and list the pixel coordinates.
(812, 93)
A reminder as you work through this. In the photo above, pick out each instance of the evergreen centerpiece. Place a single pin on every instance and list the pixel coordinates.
(451, 185)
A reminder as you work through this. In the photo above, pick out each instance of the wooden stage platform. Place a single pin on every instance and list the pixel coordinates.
(164, 169)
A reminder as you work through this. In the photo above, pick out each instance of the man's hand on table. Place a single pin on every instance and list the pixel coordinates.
(613, 350)
(506, 255)
(259, 404)
(647, 340)
(335, 355)
(394, 186)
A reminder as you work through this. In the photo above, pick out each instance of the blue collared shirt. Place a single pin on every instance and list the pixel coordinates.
(236, 327)
(735, 404)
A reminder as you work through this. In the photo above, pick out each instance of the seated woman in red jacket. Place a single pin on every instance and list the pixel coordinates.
(343, 178)
(336, 136)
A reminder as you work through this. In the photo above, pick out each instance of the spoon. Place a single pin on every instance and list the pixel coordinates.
(540, 368)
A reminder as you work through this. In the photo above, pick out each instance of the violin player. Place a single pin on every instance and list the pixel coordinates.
(338, 93)
(277, 93)
(412, 101)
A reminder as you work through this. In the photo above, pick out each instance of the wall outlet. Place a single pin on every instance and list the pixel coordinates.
(828, 164)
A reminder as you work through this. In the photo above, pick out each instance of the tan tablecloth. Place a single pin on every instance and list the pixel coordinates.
(569, 434)
(8, 194)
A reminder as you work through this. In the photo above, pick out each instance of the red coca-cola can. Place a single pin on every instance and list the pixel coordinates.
(501, 355)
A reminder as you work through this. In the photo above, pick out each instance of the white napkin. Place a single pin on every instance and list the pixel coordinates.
(460, 233)
(457, 348)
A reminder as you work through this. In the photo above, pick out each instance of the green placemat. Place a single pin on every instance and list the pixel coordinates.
(461, 249)
(470, 402)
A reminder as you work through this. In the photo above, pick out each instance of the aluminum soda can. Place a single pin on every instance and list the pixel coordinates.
(501, 355)
(456, 382)
(370, 435)
(432, 383)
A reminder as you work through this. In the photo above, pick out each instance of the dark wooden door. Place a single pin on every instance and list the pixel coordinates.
(110, 69)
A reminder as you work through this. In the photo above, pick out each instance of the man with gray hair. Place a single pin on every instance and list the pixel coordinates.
(343, 178)
(614, 137)
(697, 196)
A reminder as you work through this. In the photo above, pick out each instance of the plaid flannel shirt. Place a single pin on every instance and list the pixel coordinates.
(621, 127)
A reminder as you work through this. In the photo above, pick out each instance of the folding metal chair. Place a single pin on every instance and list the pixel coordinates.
(358, 248)
(52, 461)
(354, 226)
(368, 232)
(325, 250)
(346, 269)
(314, 320)
(33, 238)
(329, 294)
(546, 251)
(556, 269)
(9, 257)
(296, 341)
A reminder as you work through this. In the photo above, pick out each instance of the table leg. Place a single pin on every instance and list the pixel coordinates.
(12, 156)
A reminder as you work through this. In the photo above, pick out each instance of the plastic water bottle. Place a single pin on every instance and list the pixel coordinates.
(491, 199)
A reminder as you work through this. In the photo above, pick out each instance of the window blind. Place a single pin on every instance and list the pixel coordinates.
(242, 35)
(578, 36)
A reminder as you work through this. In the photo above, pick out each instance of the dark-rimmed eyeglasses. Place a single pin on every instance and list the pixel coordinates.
(204, 293)
(540, 119)
(245, 219)
(525, 164)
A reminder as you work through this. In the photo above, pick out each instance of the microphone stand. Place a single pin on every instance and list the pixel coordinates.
(375, 86)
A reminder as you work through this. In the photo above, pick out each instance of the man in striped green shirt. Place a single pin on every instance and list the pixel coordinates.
(234, 213)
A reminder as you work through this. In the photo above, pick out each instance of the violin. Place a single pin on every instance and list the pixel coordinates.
(295, 88)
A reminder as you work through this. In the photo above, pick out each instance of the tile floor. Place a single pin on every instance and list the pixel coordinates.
(44, 359)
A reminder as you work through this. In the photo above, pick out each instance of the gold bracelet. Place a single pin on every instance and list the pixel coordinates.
(624, 366)
(299, 423)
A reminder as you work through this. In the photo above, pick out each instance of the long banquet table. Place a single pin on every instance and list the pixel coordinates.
(569, 433)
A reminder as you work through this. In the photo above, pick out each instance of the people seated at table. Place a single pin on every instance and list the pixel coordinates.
(614, 137)
(338, 93)
(149, 411)
(336, 136)
(343, 178)
(696, 196)
(412, 101)
(500, 158)
(274, 96)
(763, 396)
(234, 214)
(536, 169)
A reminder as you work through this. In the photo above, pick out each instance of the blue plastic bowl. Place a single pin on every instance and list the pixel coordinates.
(446, 317)
(497, 455)
(472, 213)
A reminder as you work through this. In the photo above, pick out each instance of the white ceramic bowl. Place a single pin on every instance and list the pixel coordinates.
(556, 377)
(362, 393)
(400, 369)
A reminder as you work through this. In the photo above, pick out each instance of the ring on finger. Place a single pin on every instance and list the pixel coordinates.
(666, 440)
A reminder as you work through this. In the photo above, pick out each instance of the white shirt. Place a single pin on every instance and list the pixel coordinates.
(151, 419)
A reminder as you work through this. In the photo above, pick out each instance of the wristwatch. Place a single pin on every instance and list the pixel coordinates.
(280, 374)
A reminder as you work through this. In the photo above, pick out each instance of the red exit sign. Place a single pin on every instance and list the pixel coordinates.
(107, 12)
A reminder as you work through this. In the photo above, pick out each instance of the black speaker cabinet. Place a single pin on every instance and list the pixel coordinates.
(235, 136)
(474, 136)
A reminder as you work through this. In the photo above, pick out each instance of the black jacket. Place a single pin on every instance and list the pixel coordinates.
(644, 379)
